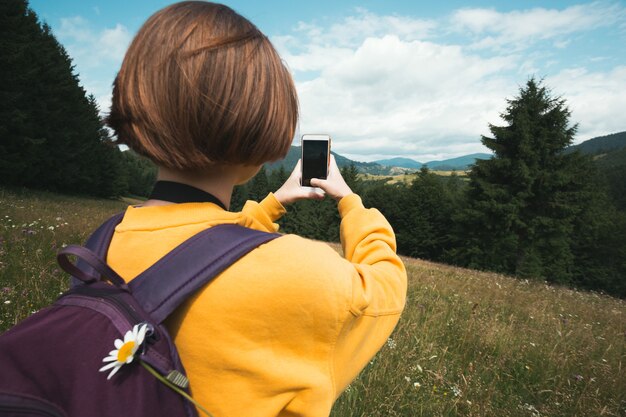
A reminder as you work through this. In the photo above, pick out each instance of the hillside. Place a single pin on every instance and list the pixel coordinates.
(601, 144)
(612, 166)
(469, 343)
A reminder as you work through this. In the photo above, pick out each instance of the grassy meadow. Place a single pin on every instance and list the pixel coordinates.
(408, 178)
(469, 343)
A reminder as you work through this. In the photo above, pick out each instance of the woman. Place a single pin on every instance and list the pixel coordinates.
(283, 331)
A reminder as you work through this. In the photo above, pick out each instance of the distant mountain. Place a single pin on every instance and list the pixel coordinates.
(601, 144)
(460, 163)
(400, 162)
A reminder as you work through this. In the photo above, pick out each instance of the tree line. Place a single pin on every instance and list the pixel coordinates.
(51, 133)
(533, 210)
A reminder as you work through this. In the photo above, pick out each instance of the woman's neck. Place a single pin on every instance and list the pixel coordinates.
(217, 182)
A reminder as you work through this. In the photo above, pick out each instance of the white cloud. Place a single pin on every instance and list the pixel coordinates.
(90, 47)
(97, 54)
(350, 31)
(388, 90)
(520, 29)
(397, 96)
(596, 99)
(114, 42)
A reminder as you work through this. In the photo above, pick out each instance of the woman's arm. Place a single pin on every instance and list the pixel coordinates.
(377, 277)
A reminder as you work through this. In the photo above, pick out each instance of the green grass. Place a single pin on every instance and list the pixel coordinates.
(408, 178)
(469, 343)
(33, 227)
(479, 344)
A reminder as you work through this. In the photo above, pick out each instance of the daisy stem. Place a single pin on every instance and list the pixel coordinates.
(174, 387)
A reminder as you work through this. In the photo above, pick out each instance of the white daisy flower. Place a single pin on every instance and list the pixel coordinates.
(125, 349)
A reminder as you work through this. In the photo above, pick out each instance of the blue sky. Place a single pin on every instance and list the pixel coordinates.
(399, 78)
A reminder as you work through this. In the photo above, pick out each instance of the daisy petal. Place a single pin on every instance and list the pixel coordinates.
(118, 343)
(142, 334)
(109, 358)
(108, 366)
(113, 372)
(128, 336)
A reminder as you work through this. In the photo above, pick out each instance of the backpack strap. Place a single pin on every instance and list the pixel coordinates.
(194, 263)
(98, 243)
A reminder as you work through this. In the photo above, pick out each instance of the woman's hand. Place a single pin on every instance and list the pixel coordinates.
(291, 191)
(335, 186)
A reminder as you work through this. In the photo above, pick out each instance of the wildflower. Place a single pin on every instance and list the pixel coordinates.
(407, 379)
(530, 408)
(391, 343)
(50, 227)
(125, 350)
(6, 290)
(456, 391)
(417, 385)
(577, 377)
(7, 302)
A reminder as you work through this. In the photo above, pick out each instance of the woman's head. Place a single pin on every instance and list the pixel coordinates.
(201, 85)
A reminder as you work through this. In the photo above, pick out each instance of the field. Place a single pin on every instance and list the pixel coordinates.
(408, 178)
(469, 343)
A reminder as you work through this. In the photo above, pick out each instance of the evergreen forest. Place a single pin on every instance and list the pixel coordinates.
(539, 209)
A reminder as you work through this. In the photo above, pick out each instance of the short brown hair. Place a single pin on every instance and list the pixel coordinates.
(201, 85)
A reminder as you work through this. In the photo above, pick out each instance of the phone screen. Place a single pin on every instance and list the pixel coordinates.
(314, 158)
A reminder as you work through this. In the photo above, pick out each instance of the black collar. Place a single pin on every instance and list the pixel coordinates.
(177, 192)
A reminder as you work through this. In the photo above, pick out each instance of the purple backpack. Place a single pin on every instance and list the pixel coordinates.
(50, 362)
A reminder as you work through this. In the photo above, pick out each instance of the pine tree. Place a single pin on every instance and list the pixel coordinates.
(428, 210)
(523, 203)
(19, 31)
(51, 135)
(350, 174)
(258, 186)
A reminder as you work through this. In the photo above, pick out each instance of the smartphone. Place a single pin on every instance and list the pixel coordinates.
(315, 157)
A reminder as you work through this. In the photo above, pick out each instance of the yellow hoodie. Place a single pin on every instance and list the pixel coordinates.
(285, 329)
